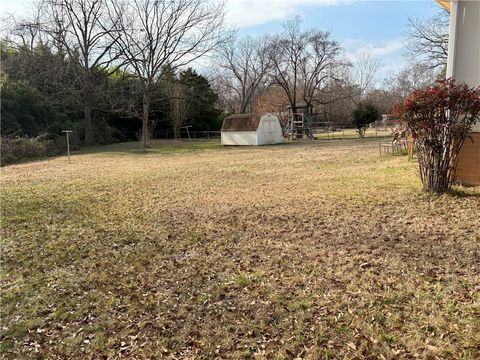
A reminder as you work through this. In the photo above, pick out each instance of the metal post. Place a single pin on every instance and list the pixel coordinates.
(68, 143)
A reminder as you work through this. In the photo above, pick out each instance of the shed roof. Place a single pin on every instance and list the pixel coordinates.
(241, 122)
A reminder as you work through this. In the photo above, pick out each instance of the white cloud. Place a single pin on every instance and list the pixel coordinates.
(390, 52)
(355, 47)
(246, 13)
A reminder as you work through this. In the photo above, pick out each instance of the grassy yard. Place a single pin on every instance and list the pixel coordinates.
(306, 250)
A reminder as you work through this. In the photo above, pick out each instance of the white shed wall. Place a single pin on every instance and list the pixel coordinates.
(269, 130)
(239, 138)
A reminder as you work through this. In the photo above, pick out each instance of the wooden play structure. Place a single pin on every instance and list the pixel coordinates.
(302, 124)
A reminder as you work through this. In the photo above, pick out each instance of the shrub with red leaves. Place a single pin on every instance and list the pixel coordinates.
(439, 118)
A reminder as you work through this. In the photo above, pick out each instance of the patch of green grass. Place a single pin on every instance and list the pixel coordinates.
(243, 280)
(387, 337)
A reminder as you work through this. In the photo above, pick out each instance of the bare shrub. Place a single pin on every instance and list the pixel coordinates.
(17, 149)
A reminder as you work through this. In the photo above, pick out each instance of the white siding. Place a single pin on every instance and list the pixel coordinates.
(464, 44)
(239, 138)
(269, 130)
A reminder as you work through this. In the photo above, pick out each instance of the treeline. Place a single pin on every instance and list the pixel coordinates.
(114, 70)
(109, 70)
(41, 95)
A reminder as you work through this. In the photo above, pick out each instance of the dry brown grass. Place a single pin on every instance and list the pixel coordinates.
(323, 250)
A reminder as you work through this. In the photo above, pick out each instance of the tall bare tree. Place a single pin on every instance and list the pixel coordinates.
(159, 36)
(87, 33)
(245, 63)
(303, 61)
(26, 32)
(427, 40)
(365, 68)
(412, 77)
(179, 106)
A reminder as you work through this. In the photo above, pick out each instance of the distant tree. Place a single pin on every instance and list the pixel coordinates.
(23, 111)
(155, 34)
(85, 31)
(245, 63)
(37, 94)
(202, 99)
(273, 99)
(179, 106)
(363, 72)
(364, 114)
(413, 76)
(303, 62)
(427, 40)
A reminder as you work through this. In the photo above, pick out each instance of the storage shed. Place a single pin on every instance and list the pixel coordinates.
(251, 129)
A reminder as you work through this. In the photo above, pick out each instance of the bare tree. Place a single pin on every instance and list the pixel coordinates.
(427, 40)
(413, 77)
(227, 97)
(159, 36)
(86, 32)
(303, 61)
(365, 68)
(37, 58)
(273, 99)
(245, 63)
(179, 106)
(26, 32)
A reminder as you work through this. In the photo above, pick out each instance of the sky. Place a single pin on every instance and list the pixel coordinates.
(374, 26)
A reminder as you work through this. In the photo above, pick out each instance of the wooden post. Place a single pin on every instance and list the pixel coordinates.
(68, 143)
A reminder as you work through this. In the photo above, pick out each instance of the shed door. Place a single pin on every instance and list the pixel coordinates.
(269, 131)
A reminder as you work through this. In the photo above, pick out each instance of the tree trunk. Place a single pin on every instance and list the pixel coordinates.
(176, 132)
(87, 114)
(146, 108)
(243, 108)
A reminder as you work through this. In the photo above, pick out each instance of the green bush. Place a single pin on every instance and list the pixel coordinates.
(363, 115)
(14, 150)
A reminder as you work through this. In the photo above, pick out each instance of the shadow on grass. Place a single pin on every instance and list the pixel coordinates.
(464, 192)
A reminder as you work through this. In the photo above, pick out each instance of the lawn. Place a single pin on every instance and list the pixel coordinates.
(310, 250)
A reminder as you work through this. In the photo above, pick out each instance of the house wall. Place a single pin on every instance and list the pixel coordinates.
(464, 66)
(239, 138)
(468, 167)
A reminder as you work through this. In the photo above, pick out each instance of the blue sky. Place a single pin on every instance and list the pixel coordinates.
(376, 27)
(361, 26)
